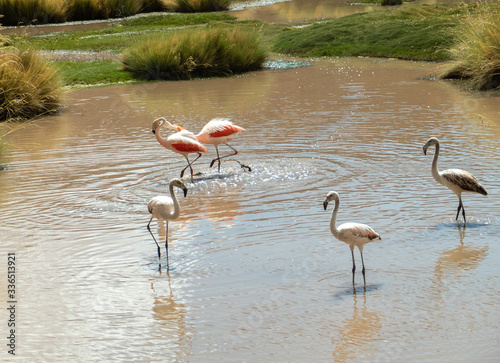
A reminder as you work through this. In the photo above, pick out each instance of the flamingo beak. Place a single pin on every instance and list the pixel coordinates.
(185, 192)
(325, 204)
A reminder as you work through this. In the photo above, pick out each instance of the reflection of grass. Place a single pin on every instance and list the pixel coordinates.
(196, 53)
(476, 53)
(29, 86)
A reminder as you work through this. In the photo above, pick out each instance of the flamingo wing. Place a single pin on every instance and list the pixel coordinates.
(359, 230)
(188, 147)
(227, 130)
(182, 142)
(464, 180)
(218, 130)
(161, 206)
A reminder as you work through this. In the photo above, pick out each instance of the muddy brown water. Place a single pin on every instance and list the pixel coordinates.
(255, 274)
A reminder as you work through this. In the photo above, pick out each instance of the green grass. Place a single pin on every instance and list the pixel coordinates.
(213, 52)
(414, 32)
(408, 32)
(92, 73)
(121, 37)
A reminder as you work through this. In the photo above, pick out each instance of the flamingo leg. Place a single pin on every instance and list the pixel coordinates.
(245, 167)
(353, 265)
(166, 245)
(189, 166)
(149, 229)
(217, 158)
(363, 270)
(460, 206)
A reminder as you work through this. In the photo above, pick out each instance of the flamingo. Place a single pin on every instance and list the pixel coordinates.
(456, 180)
(182, 142)
(354, 234)
(220, 131)
(166, 208)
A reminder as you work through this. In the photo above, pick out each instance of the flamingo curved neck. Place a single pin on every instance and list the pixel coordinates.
(177, 208)
(434, 168)
(160, 138)
(333, 221)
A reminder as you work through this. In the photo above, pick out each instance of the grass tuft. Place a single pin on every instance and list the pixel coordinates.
(28, 12)
(211, 52)
(200, 6)
(476, 53)
(29, 86)
(85, 9)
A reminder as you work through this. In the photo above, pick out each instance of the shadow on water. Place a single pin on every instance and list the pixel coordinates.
(354, 290)
(460, 226)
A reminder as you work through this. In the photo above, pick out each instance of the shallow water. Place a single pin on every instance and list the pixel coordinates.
(255, 274)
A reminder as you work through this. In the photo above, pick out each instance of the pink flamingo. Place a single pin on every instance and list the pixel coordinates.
(220, 131)
(182, 142)
(354, 234)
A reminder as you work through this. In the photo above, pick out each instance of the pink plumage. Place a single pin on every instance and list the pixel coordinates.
(182, 142)
(218, 131)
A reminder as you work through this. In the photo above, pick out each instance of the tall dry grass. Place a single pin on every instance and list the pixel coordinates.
(200, 6)
(28, 12)
(476, 53)
(29, 86)
(190, 54)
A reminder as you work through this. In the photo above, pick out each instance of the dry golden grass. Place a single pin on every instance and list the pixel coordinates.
(29, 86)
(27, 12)
(476, 53)
(213, 52)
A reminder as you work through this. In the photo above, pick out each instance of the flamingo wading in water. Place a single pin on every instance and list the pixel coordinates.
(456, 180)
(166, 208)
(220, 131)
(182, 142)
(354, 234)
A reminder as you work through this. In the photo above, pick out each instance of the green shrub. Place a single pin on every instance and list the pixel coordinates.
(25, 12)
(476, 53)
(29, 87)
(184, 55)
(199, 6)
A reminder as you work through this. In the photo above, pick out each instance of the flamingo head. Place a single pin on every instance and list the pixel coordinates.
(158, 123)
(174, 126)
(179, 184)
(329, 197)
(433, 141)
